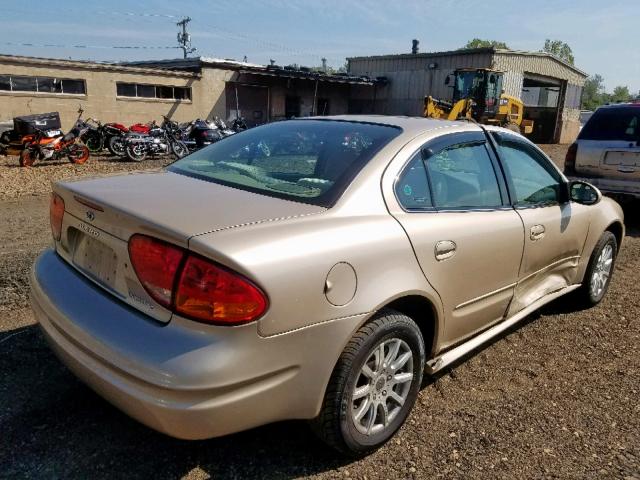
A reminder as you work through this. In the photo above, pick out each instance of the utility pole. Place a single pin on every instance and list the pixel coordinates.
(184, 38)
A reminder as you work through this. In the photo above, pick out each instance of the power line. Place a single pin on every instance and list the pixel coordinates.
(57, 45)
(263, 44)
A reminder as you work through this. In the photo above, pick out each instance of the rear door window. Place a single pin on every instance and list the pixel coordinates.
(621, 124)
(462, 176)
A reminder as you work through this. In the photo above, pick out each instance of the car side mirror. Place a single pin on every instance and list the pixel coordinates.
(584, 193)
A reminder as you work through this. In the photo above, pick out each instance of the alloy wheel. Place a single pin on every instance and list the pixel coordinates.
(602, 271)
(382, 386)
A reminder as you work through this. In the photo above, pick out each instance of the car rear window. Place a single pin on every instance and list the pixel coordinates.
(311, 161)
(618, 123)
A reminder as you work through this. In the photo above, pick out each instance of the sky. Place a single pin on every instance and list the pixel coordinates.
(600, 33)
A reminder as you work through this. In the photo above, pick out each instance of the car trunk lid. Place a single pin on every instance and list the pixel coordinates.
(101, 214)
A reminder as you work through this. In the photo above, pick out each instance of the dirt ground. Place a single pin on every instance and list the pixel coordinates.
(557, 397)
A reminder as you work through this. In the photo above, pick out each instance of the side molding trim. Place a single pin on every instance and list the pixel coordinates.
(441, 361)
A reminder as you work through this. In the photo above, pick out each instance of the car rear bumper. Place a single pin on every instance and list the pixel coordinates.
(613, 185)
(185, 379)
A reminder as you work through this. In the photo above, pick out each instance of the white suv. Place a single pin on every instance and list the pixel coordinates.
(607, 151)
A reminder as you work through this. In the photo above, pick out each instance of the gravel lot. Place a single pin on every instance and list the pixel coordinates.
(555, 398)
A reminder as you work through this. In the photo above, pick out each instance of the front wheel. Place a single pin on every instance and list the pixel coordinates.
(78, 154)
(373, 386)
(179, 149)
(117, 146)
(599, 271)
(93, 142)
(136, 152)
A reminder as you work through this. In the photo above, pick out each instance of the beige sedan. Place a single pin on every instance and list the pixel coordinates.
(312, 269)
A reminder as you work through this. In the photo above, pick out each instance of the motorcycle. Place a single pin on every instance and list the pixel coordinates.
(12, 141)
(42, 146)
(94, 137)
(158, 141)
(239, 125)
(202, 133)
(224, 130)
(116, 136)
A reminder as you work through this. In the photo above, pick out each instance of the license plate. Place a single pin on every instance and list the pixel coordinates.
(96, 260)
(53, 133)
(626, 159)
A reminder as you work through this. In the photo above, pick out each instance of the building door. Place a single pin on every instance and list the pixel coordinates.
(291, 106)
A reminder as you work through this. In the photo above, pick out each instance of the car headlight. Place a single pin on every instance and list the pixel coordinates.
(503, 101)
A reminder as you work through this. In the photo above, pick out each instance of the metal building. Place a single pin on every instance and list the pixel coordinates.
(550, 88)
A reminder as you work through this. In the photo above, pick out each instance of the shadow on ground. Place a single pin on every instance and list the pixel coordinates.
(53, 426)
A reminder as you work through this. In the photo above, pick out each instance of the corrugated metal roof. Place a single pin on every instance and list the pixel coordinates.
(88, 65)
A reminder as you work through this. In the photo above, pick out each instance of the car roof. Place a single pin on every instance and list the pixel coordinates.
(409, 125)
(620, 105)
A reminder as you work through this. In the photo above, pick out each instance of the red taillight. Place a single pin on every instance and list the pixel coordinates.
(570, 159)
(156, 264)
(210, 293)
(204, 291)
(56, 212)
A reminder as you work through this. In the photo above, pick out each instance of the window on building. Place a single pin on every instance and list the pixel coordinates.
(5, 82)
(24, 84)
(21, 83)
(140, 90)
(125, 89)
(73, 86)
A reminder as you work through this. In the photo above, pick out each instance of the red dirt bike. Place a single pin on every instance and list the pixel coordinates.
(44, 147)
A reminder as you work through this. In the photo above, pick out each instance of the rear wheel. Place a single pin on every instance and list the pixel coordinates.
(116, 146)
(78, 154)
(27, 157)
(136, 152)
(599, 271)
(373, 386)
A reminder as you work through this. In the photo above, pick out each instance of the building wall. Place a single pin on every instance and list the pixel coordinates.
(411, 78)
(101, 101)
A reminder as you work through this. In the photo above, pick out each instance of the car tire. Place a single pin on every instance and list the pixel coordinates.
(352, 418)
(599, 271)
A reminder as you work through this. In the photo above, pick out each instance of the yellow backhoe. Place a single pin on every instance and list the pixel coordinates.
(477, 94)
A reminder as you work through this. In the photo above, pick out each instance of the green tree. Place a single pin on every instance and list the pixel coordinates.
(479, 43)
(560, 49)
(592, 92)
(620, 94)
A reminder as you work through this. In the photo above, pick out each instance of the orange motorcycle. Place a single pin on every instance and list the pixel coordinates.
(44, 147)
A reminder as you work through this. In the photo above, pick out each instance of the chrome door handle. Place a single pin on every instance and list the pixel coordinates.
(536, 232)
(445, 249)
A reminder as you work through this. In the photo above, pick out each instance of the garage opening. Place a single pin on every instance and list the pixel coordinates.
(542, 97)
(250, 102)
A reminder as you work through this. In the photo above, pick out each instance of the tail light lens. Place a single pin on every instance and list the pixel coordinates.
(214, 294)
(156, 264)
(192, 286)
(570, 159)
(56, 212)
